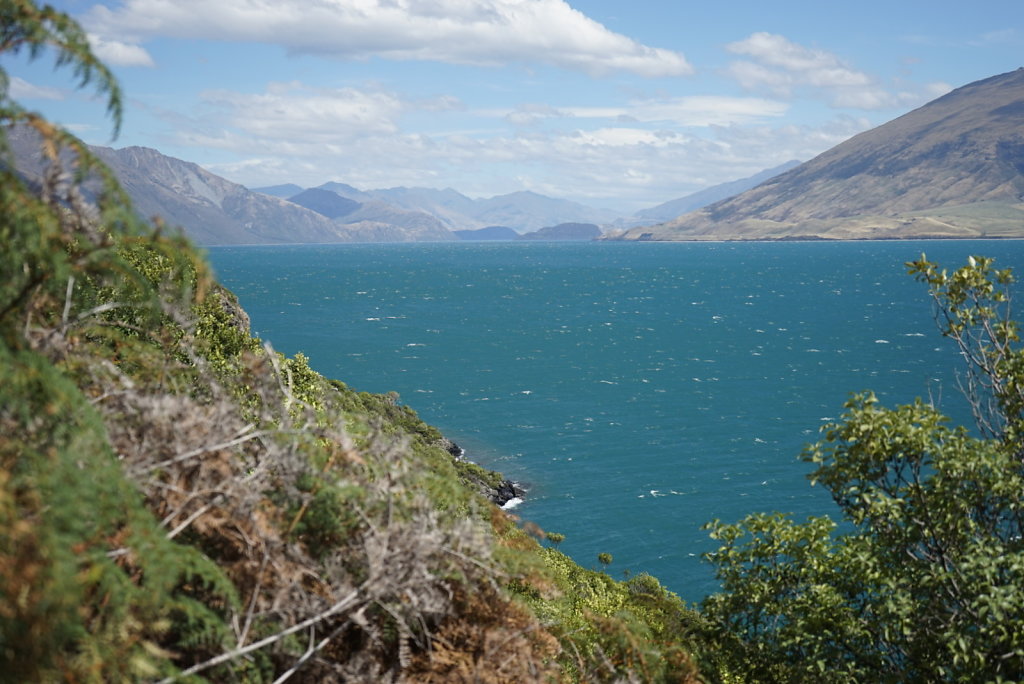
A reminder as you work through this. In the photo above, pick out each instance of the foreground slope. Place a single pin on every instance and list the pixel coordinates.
(952, 168)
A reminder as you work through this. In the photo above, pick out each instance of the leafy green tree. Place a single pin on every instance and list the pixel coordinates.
(555, 538)
(923, 580)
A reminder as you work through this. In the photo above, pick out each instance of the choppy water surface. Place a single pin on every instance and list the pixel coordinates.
(640, 390)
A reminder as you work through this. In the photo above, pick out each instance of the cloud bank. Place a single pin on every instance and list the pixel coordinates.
(475, 32)
(781, 67)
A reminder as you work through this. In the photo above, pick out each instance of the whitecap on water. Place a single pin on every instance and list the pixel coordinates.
(511, 503)
(881, 341)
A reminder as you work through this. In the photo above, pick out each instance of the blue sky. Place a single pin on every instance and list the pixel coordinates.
(615, 104)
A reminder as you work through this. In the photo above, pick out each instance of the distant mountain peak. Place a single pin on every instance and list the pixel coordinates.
(324, 202)
(283, 191)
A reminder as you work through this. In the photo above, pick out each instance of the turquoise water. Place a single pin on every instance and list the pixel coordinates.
(638, 390)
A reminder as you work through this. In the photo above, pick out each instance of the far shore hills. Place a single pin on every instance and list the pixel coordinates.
(950, 169)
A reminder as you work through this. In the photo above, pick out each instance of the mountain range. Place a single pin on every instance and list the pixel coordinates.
(523, 211)
(953, 168)
(212, 210)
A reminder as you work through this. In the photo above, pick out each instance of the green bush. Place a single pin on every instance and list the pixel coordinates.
(924, 579)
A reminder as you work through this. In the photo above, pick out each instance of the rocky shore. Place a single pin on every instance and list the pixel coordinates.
(491, 485)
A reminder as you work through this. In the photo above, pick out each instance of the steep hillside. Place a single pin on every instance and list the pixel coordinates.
(952, 168)
(210, 209)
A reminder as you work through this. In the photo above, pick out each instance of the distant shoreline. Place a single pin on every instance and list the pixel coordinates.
(987, 238)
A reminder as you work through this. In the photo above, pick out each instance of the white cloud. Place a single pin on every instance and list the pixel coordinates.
(629, 137)
(798, 63)
(314, 115)
(782, 67)
(706, 110)
(480, 32)
(529, 114)
(695, 110)
(117, 53)
(20, 89)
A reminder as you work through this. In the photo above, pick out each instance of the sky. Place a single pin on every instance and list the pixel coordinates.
(615, 104)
